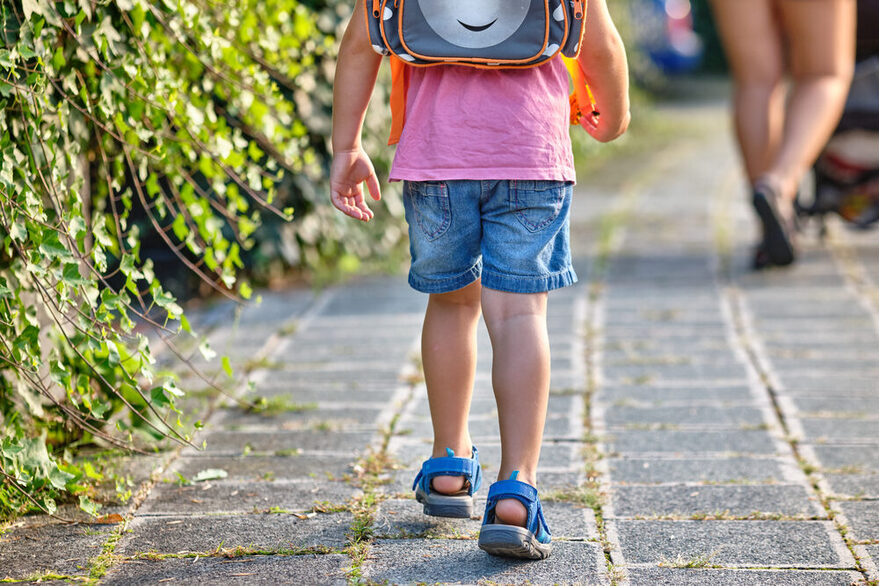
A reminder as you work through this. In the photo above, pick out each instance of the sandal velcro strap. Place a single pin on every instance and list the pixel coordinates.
(525, 494)
(469, 468)
(512, 489)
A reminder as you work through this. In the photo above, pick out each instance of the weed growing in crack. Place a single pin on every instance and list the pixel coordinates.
(701, 561)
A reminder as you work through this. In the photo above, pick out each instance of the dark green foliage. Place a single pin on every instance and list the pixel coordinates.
(127, 122)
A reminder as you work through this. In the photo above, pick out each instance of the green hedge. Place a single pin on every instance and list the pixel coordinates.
(186, 121)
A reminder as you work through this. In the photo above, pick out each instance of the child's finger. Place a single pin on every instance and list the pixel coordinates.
(347, 205)
(373, 186)
(366, 213)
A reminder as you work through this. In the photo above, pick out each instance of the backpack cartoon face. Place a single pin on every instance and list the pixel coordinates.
(474, 25)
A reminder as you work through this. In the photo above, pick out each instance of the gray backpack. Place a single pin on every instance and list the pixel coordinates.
(481, 33)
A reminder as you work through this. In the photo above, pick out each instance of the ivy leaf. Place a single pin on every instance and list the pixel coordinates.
(72, 276)
(88, 505)
(210, 474)
(32, 6)
(206, 351)
(51, 245)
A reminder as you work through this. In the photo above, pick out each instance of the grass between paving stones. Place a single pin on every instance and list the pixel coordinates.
(701, 561)
(611, 230)
(276, 406)
(44, 577)
(733, 296)
(590, 495)
(370, 471)
(235, 552)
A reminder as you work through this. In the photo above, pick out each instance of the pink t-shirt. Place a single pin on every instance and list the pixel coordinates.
(468, 123)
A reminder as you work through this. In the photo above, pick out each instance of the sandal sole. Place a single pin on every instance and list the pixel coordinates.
(778, 245)
(437, 505)
(512, 541)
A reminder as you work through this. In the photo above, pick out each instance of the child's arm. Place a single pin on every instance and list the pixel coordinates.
(356, 71)
(603, 58)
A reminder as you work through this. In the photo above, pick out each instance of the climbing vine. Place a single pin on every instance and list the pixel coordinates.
(187, 122)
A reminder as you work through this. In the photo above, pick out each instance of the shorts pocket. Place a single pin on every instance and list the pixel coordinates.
(537, 204)
(429, 202)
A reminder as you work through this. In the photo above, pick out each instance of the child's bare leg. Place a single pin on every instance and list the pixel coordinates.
(520, 376)
(448, 353)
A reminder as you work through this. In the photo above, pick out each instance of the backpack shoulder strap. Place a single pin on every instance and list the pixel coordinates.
(399, 88)
(582, 101)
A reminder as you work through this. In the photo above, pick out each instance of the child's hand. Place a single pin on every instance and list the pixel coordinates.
(347, 174)
(602, 130)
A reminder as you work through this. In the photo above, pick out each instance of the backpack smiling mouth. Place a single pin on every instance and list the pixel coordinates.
(476, 29)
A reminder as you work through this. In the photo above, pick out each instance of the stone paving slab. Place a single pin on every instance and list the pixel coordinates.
(660, 372)
(742, 441)
(840, 383)
(685, 415)
(832, 457)
(265, 532)
(863, 519)
(410, 561)
(656, 396)
(870, 558)
(739, 501)
(799, 544)
(702, 577)
(268, 467)
(302, 417)
(325, 350)
(862, 431)
(854, 406)
(853, 485)
(731, 470)
(244, 497)
(56, 548)
(841, 365)
(403, 518)
(331, 392)
(269, 570)
(280, 442)
(380, 376)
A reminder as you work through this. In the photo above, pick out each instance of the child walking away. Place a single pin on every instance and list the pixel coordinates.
(485, 156)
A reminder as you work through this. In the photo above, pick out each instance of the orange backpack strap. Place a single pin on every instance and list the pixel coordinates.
(399, 88)
(582, 101)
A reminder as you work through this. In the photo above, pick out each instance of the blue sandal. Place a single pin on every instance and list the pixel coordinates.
(530, 542)
(458, 505)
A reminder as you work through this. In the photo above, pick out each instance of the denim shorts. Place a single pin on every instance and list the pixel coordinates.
(514, 235)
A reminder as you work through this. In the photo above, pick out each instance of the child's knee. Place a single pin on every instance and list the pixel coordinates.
(469, 296)
(500, 305)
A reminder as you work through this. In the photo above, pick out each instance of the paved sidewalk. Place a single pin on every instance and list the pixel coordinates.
(707, 425)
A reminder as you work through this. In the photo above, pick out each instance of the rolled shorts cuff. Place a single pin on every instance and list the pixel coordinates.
(445, 285)
(521, 284)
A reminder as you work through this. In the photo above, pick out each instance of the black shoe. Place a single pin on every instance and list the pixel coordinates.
(761, 258)
(778, 227)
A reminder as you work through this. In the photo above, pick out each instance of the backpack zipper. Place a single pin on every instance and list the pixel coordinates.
(578, 9)
(375, 10)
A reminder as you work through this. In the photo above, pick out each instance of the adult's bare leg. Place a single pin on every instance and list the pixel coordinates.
(751, 37)
(448, 354)
(821, 37)
(520, 377)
